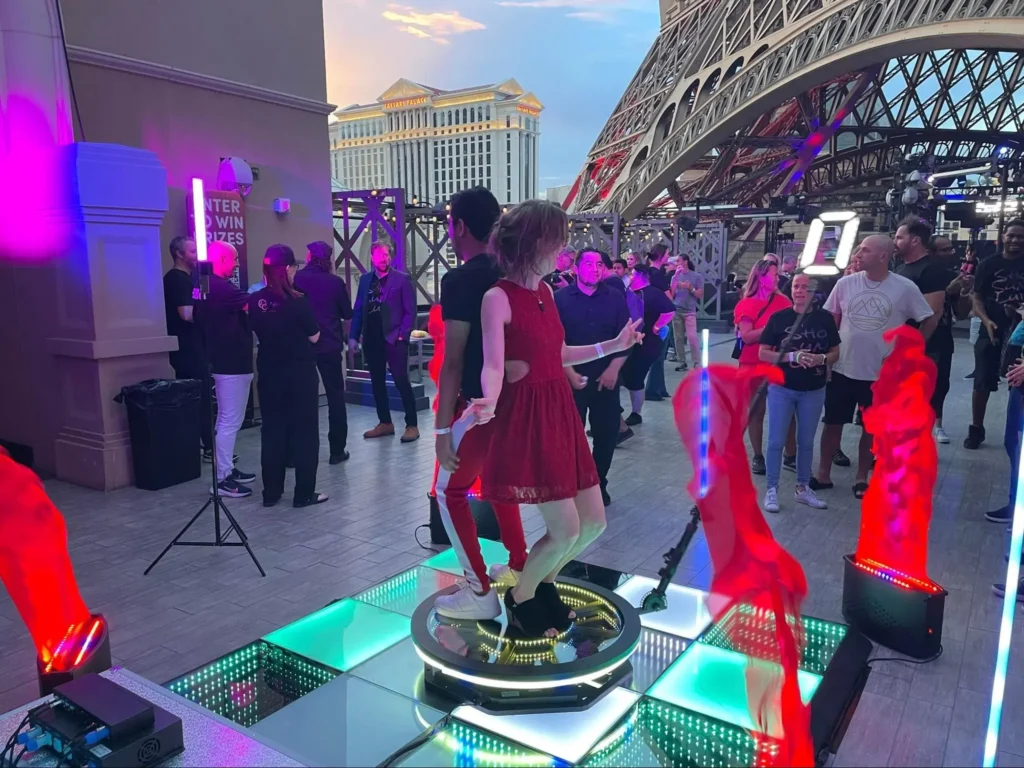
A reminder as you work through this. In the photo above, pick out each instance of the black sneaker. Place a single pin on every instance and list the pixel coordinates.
(241, 477)
(840, 459)
(1003, 515)
(789, 462)
(633, 419)
(999, 590)
(232, 489)
(682, 366)
(337, 458)
(605, 497)
(623, 437)
(757, 465)
(975, 437)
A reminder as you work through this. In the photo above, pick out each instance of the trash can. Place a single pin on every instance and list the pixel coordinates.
(163, 421)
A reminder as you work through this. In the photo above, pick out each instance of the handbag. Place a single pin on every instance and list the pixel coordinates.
(737, 348)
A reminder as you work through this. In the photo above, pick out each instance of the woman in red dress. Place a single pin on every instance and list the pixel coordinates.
(540, 455)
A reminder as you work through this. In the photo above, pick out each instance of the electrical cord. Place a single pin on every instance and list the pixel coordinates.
(929, 660)
(416, 535)
(416, 743)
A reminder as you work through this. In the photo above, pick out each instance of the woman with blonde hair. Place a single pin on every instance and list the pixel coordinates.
(760, 300)
(541, 454)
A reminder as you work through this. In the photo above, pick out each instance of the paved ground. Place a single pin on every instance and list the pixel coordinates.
(201, 603)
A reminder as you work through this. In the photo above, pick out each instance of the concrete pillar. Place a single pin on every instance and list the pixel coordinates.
(81, 297)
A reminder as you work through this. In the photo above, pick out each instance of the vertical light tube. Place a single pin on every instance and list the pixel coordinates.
(995, 712)
(199, 217)
(705, 407)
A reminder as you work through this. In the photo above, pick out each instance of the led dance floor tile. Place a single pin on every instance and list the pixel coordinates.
(657, 734)
(686, 616)
(713, 681)
(404, 593)
(493, 552)
(400, 669)
(459, 745)
(752, 631)
(348, 722)
(252, 683)
(342, 635)
(566, 735)
(652, 657)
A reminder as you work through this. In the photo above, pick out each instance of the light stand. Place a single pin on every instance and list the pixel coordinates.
(220, 537)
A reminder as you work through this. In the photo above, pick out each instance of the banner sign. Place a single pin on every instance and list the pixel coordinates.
(225, 220)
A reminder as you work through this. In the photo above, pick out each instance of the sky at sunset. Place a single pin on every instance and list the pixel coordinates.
(576, 56)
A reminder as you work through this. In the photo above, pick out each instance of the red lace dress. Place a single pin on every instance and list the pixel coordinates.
(540, 451)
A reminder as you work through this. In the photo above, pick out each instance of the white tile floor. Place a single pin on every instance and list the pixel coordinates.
(201, 603)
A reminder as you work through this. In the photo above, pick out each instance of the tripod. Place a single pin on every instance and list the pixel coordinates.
(219, 537)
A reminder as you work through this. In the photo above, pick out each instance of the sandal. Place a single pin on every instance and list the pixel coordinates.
(859, 490)
(531, 617)
(563, 615)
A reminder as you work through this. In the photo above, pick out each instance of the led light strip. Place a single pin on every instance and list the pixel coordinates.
(705, 409)
(199, 218)
(88, 639)
(522, 685)
(995, 712)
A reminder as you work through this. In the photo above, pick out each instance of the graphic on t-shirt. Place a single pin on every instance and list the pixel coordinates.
(1008, 289)
(869, 310)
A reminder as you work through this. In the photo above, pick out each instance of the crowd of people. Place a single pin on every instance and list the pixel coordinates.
(302, 320)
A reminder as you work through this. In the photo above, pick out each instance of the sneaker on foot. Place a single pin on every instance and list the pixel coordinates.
(789, 462)
(241, 477)
(1003, 515)
(771, 500)
(806, 496)
(757, 465)
(1000, 591)
(682, 366)
(840, 459)
(605, 497)
(467, 604)
(975, 437)
(381, 430)
(941, 437)
(501, 573)
(231, 489)
(633, 419)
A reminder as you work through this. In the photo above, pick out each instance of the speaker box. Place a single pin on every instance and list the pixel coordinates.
(486, 522)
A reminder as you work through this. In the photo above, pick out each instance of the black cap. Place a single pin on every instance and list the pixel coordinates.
(320, 250)
(279, 256)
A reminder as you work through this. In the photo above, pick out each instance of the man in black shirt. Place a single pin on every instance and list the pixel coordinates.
(383, 318)
(659, 278)
(658, 311)
(189, 360)
(591, 312)
(224, 323)
(328, 295)
(461, 452)
(932, 278)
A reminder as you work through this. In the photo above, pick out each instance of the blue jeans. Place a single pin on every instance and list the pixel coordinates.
(1012, 438)
(656, 378)
(782, 404)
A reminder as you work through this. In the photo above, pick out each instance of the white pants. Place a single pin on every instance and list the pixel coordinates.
(232, 397)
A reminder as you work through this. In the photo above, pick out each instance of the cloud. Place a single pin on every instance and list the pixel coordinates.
(600, 16)
(584, 10)
(437, 26)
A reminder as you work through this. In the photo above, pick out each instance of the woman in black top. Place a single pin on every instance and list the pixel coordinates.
(286, 380)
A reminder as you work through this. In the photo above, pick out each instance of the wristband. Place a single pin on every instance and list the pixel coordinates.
(443, 431)
(600, 350)
(792, 357)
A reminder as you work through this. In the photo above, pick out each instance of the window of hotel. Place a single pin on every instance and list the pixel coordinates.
(508, 122)
(465, 113)
(487, 112)
(435, 119)
(472, 115)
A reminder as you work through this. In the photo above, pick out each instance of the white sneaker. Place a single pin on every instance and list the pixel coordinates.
(771, 500)
(467, 604)
(810, 498)
(941, 436)
(500, 573)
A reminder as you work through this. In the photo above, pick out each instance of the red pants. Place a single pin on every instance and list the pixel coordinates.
(452, 490)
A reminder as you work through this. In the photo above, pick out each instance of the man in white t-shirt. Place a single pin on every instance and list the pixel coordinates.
(866, 305)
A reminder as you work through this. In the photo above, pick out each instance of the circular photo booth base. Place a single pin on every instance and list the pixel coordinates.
(496, 668)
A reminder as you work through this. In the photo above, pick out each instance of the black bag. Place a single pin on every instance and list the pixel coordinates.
(737, 348)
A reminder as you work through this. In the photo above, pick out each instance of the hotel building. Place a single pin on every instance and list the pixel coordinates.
(433, 143)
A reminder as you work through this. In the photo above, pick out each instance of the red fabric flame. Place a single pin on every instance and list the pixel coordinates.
(753, 574)
(897, 506)
(34, 562)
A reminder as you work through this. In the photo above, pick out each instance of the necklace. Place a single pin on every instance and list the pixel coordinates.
(537, 295)
(868, 281)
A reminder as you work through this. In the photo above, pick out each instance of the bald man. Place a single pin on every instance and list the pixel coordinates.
(865, 305)
(225, 324)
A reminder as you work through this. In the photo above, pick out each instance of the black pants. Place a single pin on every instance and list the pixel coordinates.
(381, 357)
(942, 354)
(291, 429)
(603, 407)
(185, 368)
(330, 368)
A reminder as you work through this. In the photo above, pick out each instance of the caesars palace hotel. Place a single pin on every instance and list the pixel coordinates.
(433, 143)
